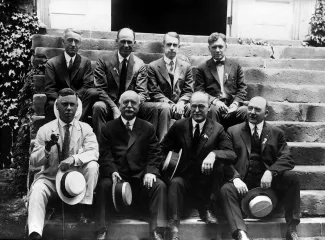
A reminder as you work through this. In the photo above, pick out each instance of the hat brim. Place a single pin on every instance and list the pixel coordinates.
(71, 201)
(257, 192)
(168, 164)
(78, 112)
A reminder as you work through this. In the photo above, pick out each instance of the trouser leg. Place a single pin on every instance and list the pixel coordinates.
(49, 110)
(103, 199)
(89, 98)
(101, 114)
(90, 172)
(176, 192)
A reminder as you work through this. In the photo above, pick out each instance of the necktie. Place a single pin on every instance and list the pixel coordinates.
(66, 142)
(70, 64)
(123, 77)
(171, 64)
(220, 62)
(255, 135)
(128, 127)
(197, 133)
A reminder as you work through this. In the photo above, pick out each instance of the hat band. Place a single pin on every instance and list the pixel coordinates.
(63, 189)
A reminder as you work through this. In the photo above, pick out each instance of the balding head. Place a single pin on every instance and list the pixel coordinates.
(129, 104)
(199, 106)
(257, 110)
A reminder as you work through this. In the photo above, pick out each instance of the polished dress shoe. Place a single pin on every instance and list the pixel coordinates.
(101, 236)
(83, 219)
(292, 234)
(173, 229)
(157, 235)
(34, 236)
(242, 235)
(208, 217)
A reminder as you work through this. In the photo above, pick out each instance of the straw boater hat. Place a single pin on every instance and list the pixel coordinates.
(70, 186)
(78, 113)
(259, 202)
(171, 163)
(121, 194)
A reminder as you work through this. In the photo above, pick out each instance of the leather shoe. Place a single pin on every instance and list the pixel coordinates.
(83, 219)
(157, 236)
(292, 234)
(241, 235)
(173, 229)
(101, 236)
(34, 236)
(208, 217)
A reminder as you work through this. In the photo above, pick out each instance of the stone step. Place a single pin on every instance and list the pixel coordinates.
(188, 49)
(287, 92)
(311, 177)
(306, 153)
(302, 131)
(190, 229)
(159, 37)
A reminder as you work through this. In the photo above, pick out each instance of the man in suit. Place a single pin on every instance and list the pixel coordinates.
(170, 84)
(79, 152)
(263, 160)
(70, 70)
(223, 79)
(205, 149)
(115, 73)
(129, 151)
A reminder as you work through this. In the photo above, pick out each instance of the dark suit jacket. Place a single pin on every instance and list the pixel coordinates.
(275, 151)
(57, 76)
(213, 139)
(207, 80)
(107, 78)
(141, 149)
(159, 83)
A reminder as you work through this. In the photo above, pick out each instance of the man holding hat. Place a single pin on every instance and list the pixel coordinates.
(130, 152)
(263, 164)
(67, 151)
(205, 149)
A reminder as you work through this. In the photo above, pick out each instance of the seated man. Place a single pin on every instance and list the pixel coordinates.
(79, 148)
(170, 84)
(223, 80)
(70, 70)
(205, 148)
(115, 73)
(263, 160)
(129, 151)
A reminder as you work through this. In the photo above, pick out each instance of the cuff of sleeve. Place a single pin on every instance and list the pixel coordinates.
(47, 153)
(77, 161)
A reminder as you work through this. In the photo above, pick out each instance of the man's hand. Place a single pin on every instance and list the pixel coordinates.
(266, 179)
(207, 164)
(240, 186)
(179, 109)
(149, 179)
(116, 177)
(221, 105)
(116, 112)
(52, 142)
(232, 108)
(66, 164)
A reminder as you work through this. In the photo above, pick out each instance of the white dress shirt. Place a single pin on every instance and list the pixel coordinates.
(259, 128)
(130, 121)
(167, 61)
(67, 58)
(221, 72)
(120, 59)
(201, 125)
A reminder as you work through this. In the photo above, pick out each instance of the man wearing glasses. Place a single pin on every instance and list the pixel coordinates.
(206, 148)
(115, 73)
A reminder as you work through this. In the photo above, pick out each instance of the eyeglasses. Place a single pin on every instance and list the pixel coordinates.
(200, 106)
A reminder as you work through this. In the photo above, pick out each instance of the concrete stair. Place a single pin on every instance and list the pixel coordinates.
(290, 76)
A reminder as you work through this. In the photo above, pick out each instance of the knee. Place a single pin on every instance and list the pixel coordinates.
(164, 107)
(160, 185)
(38, 191)
(292, 178)
(99, 107)
(242, 112)
(92, 167)
(176, 183)
(92, 93)
(104, 184)
(225, 189)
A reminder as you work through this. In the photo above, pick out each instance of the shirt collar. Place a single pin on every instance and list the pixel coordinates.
(62, 124)
(67, 57)
(120, 58)
(200, 124)
(167, 60)
(130, 121)
(259, 126)
(223, 59)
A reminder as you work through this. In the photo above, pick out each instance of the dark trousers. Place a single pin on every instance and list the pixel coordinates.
(164, 116)
(238, 116)
(286, 187)
(88, 98)
(103, 114)
(155, 198)
(5, 146)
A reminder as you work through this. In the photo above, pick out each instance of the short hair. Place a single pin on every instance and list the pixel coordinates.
(172, 34)
(71, 30)
(200, 93)
(118, 33)
(129, 92)
(67, 92)
(215, 36)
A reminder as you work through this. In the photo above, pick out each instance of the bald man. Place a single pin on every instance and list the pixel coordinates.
(70, 70)
(129, 151)
(115, 73)
(263, 160)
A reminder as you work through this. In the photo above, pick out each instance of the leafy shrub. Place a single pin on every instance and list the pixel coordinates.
(317, 26)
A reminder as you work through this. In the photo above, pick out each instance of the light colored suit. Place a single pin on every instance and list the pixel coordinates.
(83, 147)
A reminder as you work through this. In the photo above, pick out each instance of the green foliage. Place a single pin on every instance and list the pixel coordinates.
(317, 24)
(16, 30)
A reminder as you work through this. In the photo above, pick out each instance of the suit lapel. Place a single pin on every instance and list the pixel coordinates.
(207, 131)
(64, 70)
(227, 70)
(75, 135)
(75, 67)
(213, 69)
(115, 69)
(246, 136)
(187, 133)
(129, 71)
(264, 136)
(135, 133)
(163, 70)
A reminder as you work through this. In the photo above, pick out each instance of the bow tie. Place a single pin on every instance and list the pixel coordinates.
(222, 62)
